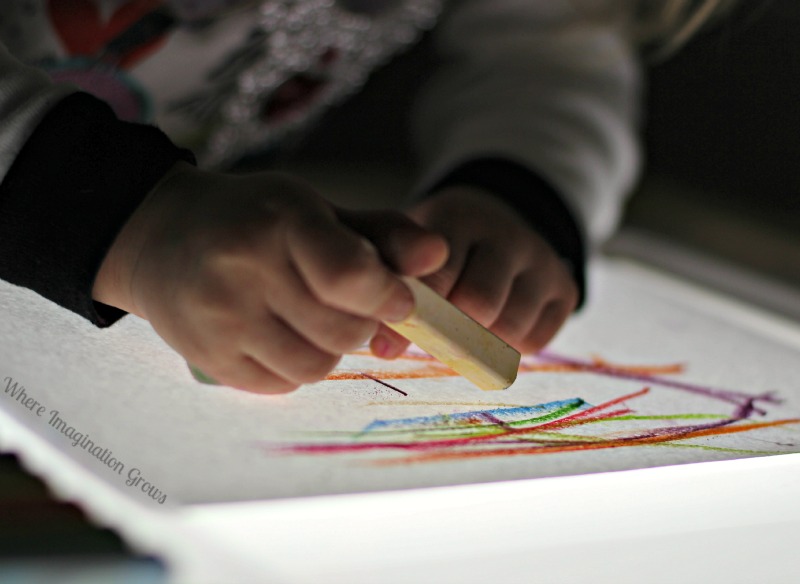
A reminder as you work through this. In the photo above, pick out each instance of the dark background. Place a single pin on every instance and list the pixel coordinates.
(722, 138)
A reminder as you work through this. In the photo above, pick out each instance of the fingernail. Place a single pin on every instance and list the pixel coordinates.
(379, 346)
(383, 347)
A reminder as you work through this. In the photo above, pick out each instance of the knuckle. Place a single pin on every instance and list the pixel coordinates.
(233, 249)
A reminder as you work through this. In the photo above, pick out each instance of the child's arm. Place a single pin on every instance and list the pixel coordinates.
(530, 142)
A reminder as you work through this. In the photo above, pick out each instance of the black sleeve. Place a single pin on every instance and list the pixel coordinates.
(535, 199)
(70, 191)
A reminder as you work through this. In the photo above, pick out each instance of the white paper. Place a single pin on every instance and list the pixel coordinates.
(157, 434)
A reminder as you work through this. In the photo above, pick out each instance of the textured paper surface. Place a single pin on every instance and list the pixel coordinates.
(647, 376)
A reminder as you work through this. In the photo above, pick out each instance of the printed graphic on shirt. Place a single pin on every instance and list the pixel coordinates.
(119, 37)
(300, 58)
(104, 39)
(289, 59)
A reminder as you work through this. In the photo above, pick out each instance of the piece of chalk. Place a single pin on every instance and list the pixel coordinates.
(441, 329)
(200, 376)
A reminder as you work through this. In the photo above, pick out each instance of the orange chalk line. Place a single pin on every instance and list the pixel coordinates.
(424, 372)
(435, 369)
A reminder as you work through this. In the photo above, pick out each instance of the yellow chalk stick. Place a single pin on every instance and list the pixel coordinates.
(441, 329)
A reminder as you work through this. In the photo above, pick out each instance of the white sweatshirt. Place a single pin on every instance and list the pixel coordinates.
(524, 79)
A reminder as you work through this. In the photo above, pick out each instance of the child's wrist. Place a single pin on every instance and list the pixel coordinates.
(113, 283)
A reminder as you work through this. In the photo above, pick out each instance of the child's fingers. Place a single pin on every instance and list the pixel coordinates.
(387, 344)
(549, 321)
(249, 375)
(344, 271)
(405, 246)
(484, 285)
(280, 349)
(480, 288)
(329, 329)
(562, 302)
(443, 280)
(540, 301)
(521, 310)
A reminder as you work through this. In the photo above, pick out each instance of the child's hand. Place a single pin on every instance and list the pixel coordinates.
(500, 271)
(256, 280)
